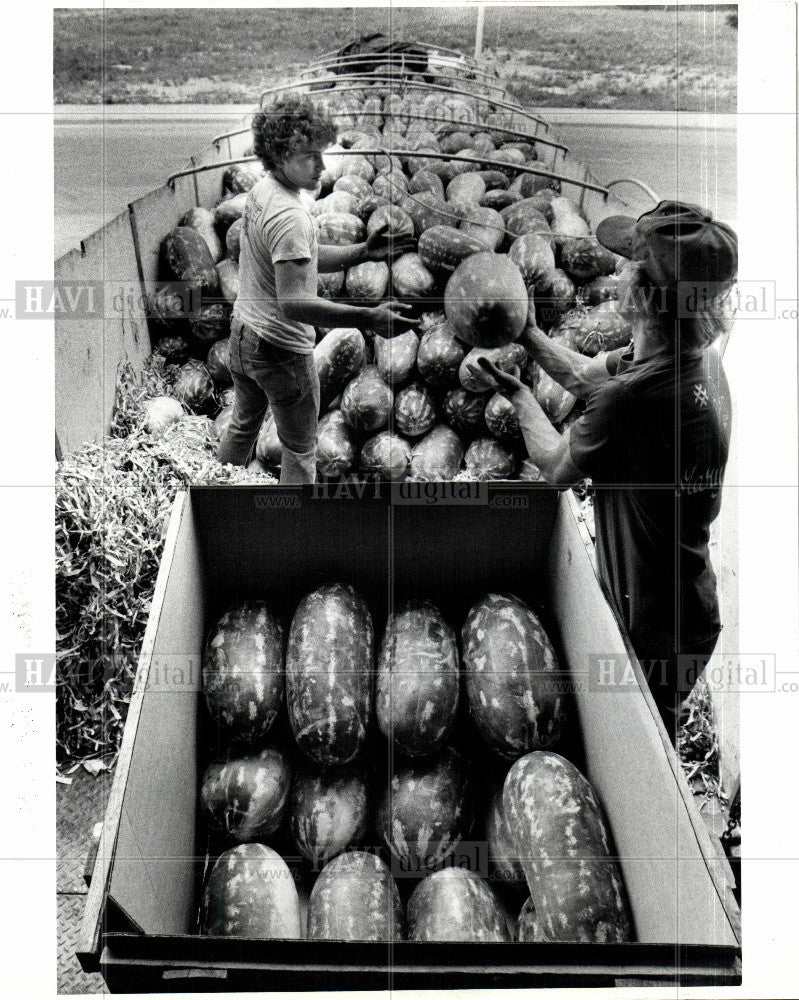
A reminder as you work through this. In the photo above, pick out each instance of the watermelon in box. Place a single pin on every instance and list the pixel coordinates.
(386, 456)
(243, 673)
(328, 810)
(418, 680)
(329, 664)
(336, 448)
(247, 797)
(455, 904)
(414, 411)
(558, 828)
(355, 898)
(512, 677)
(437, 456)
(366, 401)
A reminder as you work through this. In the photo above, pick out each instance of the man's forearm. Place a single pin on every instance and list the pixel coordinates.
(575, 372)
(340, 258)
(322, 312)
(548, 449)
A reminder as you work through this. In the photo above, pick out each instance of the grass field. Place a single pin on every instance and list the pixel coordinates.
(657, 58)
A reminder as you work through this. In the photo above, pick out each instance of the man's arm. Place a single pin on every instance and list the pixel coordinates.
(575, 372)
(547, 448)
(295, 285)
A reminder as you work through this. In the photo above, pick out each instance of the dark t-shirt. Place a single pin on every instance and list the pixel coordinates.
(654, 439)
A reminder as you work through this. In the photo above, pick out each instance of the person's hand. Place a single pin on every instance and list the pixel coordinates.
(507, 385)
(387, 320)
(381, 245)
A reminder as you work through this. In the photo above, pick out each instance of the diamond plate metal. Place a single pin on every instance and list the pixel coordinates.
(78, 807)
(71, 979)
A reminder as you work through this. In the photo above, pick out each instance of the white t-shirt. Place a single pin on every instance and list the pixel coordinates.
(276, 228)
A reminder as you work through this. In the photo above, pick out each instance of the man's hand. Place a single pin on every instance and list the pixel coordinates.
(386, 320)
(506, 384)
(381, 245)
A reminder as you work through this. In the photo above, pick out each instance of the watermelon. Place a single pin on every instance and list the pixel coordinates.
(328, 811)
(440, 355)
(497, 198)
(595, 329)
(502, 853)
(355, 898)
(159, 413)
(530, 472)
(210, 322)
(425, 180)
(554, 297)
(227, 272)
(427, 210)
(437, 456)
(194, 388)
(486, 225)
(358, 166)
(366, 401)
(483, 144)
(602, 289)
(339, 229)
(426, 810)
(228, 211)
(455, 142)
(455, 904)
(233, 240)
(418, 680)
(330, 285)
(251, 893)
(339, 357)
(414, 411)
(247, 797)
(329, 662)
(397, 219)
(337, 201)
(410, 279)
(391, 185)
(336, 449)
(585, 259)
(242, 177)
(486, 300)
(353, 185)
(367, 282)
(494, 180)
(443, 248)
(523, 217)
(507, 358)
(243, 673)
(395, 357)
(532, 254)
(386, 456)
(369, 205)
(567, 221)
(168, 305)
(529, 924)
(218, 363)
(557, 826)
(185, 258)
(202, 220)
(465, 412)
(469, 187)
(511, 677)
(174, 348)
(501, 419)
(487, 460)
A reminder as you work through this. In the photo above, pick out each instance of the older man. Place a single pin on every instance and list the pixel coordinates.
(654, 438)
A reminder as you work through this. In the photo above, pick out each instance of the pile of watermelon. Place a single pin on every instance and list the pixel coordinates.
(493, 245)
(403, 785)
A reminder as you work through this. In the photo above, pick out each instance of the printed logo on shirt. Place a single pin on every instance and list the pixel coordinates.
(700, 395)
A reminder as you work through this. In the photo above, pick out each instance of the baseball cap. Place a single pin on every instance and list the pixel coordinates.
(677, 242)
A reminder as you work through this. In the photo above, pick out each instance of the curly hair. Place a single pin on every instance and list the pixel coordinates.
(290, 121)
(682, 316)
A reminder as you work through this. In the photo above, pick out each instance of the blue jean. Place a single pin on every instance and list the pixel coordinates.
(268, 376)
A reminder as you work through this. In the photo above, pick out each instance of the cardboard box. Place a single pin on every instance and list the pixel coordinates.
(228, 543)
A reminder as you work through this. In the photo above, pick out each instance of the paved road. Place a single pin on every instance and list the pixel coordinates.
(102, 162)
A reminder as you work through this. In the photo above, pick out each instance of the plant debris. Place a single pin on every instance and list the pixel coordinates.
(112, 509)
(697, 744)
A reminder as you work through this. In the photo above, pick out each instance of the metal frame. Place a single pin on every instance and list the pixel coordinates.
(380, 57)
(434, 87)
(634, 180)
(483, 160)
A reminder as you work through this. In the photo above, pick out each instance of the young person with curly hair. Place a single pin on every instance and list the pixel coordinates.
(272, 331)
(654, 437)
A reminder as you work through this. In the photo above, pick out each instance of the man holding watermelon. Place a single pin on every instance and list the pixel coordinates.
(654, 437)
(272, 333)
